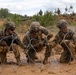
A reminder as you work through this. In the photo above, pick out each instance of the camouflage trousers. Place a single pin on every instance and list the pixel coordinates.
(69, 52)
(5, 49)
(32, 52)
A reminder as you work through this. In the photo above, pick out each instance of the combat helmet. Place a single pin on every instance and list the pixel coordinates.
(10, 26)
(34, 27)
(62, 23)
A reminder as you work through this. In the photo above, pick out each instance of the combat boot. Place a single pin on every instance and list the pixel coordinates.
(19, 61)
(31, 61)
(45, 61)
(3, 58)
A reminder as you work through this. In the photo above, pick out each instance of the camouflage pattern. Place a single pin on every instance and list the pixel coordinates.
(3, 51)
(5, 44)
(34, 26)
(62, 23)
(34, 40)
(10, 25)
(68, 42)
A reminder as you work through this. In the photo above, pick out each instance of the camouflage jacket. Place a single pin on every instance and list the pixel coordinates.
(28, 37)
(69, 35)
(6, 39)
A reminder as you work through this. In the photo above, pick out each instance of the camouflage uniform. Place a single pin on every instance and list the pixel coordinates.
(9, 41)
(34, 42)
(67, 41)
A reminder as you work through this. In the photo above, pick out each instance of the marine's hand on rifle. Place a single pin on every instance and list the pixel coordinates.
(49, 36)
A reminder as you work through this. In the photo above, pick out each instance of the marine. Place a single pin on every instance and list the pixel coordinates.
(9, 40)
(67, 39)
(35, 42)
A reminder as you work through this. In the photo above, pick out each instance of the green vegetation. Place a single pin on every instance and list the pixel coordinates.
(6, 15)
(47, 18)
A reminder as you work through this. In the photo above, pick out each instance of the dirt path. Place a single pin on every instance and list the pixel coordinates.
(53, 68)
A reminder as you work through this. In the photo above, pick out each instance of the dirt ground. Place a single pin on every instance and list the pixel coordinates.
(54, 67)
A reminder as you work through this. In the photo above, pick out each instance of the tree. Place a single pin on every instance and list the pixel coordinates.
(40, 12)
(66, 9)
(55, 11)
(73, 13)
(4, 13)
(58, 11)
(71, 9)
